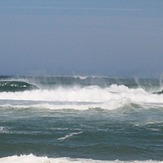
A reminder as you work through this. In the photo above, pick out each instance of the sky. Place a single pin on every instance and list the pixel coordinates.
(116, 38)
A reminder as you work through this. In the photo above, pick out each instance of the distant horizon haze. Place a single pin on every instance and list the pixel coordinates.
(81, 37)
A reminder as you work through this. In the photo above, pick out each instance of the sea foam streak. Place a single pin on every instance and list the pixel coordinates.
(83, 98)
(69, 135)
(34, 159)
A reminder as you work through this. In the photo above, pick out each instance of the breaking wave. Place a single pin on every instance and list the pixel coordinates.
(82, 98)
(14, 86)
(35, 159)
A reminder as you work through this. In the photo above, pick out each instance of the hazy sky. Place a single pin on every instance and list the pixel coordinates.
(81, 37)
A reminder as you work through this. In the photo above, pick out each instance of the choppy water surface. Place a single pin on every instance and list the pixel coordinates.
(80, 119)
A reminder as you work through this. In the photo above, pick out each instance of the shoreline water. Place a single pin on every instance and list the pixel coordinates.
(81, 120)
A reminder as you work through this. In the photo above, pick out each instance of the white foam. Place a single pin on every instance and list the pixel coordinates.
(3, 130)
(69, 135)
(82, 98)
(34, 159)
(80, 77)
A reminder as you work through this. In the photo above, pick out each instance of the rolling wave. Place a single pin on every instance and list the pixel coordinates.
(14, 86)
(82, 98)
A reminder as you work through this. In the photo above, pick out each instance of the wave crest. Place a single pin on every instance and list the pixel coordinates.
(14, 86)
(82, 98)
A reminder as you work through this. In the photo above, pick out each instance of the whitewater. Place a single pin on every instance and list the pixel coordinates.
(80, 119)
(34, 159)
(82, 98)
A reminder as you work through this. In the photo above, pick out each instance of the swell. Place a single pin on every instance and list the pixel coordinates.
(55, 81)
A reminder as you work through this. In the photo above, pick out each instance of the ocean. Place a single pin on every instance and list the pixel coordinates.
(80, 119)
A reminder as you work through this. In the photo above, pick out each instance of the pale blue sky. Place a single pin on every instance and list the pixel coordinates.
(81, 37)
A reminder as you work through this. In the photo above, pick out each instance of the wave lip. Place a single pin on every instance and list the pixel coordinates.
(14, 86)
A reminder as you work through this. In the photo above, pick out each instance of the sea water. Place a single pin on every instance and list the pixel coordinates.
(80, 119)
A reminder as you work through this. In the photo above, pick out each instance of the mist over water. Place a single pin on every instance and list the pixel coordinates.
(80, 119)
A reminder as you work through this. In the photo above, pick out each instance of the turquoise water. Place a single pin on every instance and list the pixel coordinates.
(82, 118)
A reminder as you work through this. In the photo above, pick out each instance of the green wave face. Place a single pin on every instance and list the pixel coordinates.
(14, 86)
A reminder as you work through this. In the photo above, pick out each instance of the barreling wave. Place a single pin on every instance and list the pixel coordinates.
(36, 159)
(14, 86)
(82, 98)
